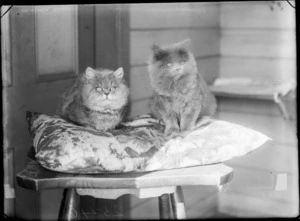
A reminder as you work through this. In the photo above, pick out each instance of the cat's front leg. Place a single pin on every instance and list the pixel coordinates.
(171, 126)
(188, 119)
(172, 131)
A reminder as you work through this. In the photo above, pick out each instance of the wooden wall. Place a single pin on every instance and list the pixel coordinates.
(166, 23)
(257, 42)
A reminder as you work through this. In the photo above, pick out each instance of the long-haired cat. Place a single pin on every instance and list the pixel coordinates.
(97, 99)
(180, 94)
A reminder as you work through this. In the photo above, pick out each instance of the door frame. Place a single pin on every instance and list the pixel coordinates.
(112, 40)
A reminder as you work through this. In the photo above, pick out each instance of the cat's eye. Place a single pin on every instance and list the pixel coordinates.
(113, 88)
(169, 64)
(99, 89)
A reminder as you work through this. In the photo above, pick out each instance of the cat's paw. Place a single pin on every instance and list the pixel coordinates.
(172, 132)
(176, 135)
(185, 133)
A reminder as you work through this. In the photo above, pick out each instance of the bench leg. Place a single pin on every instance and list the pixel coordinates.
(164, 206)
(283, 110)
(69, 209)
(178, 204)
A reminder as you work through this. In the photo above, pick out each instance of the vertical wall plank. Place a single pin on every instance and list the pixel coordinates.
(6, 47)
(106, 48)
(123, 39)
(86, 36)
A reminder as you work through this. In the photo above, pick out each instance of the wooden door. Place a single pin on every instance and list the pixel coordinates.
(48, 46)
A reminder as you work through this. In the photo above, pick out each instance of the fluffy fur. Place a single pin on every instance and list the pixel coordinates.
(180, 94)
(97, 99)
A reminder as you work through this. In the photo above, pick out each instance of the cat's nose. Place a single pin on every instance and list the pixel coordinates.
(178, 68)
(106, 93)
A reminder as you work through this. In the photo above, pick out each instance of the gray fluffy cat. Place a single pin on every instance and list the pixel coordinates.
(180, 94)
(97, 99)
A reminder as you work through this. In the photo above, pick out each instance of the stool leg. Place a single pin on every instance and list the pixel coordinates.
(178, 204)
(164, 206)
(69, 209)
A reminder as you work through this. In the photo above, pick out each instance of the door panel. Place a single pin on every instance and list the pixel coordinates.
(38, 78)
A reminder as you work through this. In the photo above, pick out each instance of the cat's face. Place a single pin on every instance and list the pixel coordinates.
(171, 61)
(105, 88)
(172, 66)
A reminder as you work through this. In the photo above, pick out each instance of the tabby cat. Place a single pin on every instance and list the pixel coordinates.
(180, 94)
(97, 99)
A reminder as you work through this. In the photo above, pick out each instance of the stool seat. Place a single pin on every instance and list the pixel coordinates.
(35, 177)
(148, 184)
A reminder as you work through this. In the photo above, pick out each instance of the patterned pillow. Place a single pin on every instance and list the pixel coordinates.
(137, 146)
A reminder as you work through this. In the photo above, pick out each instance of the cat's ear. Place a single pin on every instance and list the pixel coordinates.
(119, 72)
(90, 73)
(156, 49)
(186, 43)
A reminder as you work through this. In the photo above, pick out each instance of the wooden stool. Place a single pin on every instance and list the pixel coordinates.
(165, 185)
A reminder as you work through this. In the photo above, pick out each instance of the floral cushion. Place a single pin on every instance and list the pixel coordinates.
(137, 146)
